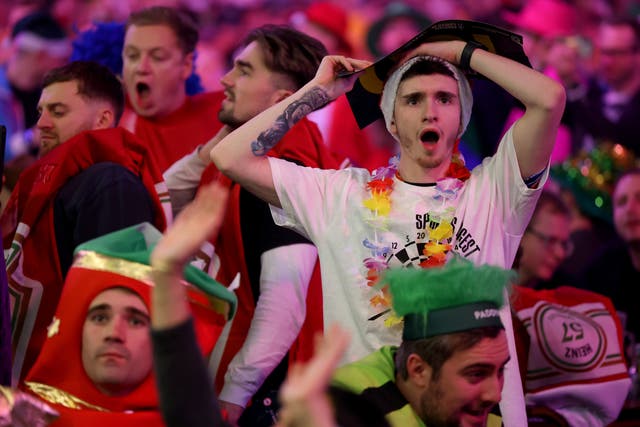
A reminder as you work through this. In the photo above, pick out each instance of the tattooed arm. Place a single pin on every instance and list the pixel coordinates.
(315, 98)
(241, 155)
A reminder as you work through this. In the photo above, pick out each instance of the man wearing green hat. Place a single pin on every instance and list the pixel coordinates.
(449, 368)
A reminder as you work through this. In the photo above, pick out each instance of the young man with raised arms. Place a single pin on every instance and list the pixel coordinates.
(417, 210)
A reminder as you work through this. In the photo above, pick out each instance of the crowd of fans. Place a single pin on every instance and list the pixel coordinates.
(120, 115)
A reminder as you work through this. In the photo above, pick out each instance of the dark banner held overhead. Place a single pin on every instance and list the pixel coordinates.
(364, 98)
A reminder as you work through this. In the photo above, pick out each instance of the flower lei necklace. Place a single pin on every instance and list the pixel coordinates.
(380, 187)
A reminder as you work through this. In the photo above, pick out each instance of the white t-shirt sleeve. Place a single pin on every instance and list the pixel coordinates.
(183, 178)
(498, 200)
(500, 175)
(310, 198)
(278, 317)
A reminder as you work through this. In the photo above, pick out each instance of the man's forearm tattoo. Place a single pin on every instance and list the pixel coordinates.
(310, 101)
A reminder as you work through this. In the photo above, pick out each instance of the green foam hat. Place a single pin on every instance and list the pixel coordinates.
(127, 252)
(456, 297)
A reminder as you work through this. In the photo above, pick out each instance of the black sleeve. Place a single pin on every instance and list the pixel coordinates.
(260, 234)
(103, 198)
(185, 389)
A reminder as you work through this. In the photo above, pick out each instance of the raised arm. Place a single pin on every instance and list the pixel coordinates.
(183, 177)
(534, 133)
(196, 223)
(304, 398)
(241, 155)
(174, 341)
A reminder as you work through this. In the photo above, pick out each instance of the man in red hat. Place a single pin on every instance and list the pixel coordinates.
(328, 23)
(550, 32)
(102, 328)
(541, 22)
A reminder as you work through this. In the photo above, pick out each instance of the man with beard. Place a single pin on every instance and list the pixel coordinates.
(616, 271)
(91, 179)
(278, 267)
(158, 58)
(415, 211)
(449, 369)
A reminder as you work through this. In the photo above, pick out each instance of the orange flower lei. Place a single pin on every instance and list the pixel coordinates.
(379, 203)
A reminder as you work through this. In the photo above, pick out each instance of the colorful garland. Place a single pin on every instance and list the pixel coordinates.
(379, 203)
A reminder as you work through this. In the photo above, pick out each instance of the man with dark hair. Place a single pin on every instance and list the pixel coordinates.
(291, 53)
(449, 368)
(91, 179)
(158, 58)
(38, 44)
(421, 207)
(277, 266)
(610, 106)
(545, 243)
(98, 104)
(94, 82)
(288, 56)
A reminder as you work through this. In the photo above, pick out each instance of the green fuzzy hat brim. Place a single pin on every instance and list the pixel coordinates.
(136, 243)
(457, 283)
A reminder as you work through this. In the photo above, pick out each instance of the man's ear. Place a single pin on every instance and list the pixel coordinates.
(106, 119)
(187, 64)
(418, 370)
(279, 95)
(392, 128)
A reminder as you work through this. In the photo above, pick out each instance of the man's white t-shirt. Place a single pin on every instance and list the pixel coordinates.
(490, 214)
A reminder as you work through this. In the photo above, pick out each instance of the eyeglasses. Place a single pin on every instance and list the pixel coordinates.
(550, 241)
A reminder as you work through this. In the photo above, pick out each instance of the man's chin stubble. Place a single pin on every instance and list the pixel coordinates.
(229, 120)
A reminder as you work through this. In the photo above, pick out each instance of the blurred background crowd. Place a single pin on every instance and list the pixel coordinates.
(563, 38)
(223, 22)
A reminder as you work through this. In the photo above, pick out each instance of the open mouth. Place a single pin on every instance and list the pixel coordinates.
(429, 137)
(142, 89)
(477, 415)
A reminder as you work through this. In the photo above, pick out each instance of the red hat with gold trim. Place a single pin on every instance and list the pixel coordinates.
(116, 260)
